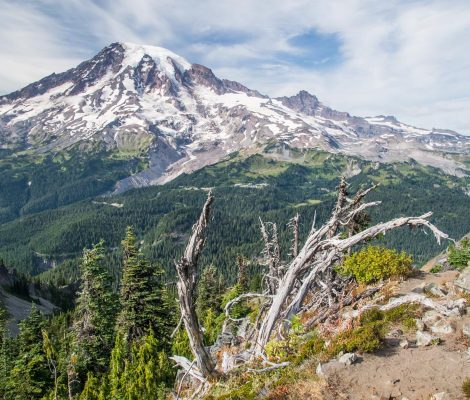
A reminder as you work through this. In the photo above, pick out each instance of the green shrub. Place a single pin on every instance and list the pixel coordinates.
(375, 263)
(466, 388)
(459, 255)
(436, 269)
(364, 339)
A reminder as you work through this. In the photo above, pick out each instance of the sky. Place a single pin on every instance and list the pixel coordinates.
(407, 58)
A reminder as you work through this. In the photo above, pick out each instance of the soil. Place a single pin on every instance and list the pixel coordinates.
(414, 373)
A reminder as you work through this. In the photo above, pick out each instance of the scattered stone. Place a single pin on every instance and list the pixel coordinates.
(435, 290)
(419, 289)
(419, 324)
(463, 281)
(348, 358)
(443, 327)
(460, 306)
(323, 369)
(466, 330)
(404, 344)
(424, 339)
(440, 396)
(395, 333)
(431, 317)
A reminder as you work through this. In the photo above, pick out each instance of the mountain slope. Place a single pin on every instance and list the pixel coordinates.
(274, 185)
(147, 100)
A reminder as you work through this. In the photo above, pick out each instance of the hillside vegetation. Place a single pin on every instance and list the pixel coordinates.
(269, 185)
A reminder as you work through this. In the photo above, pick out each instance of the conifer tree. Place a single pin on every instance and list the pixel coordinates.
(91, 391)
(7, 352)
(93, 328)
(30, 376)
(210, 290)
(114, 383)
(143, 300)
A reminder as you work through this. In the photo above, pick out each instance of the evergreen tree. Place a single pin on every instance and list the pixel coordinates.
(210, 290)
(143, 300)
(7, 352)
(30, 376)
(93, 328)
(114, 385)
(91, 391)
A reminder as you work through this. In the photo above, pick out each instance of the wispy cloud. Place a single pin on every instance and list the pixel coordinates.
(409, 58)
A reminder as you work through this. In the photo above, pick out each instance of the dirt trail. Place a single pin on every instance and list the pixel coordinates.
(414, 373)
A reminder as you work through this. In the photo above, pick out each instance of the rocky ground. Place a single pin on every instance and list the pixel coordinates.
(431, 363)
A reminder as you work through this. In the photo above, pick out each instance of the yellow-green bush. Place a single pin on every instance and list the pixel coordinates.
(375, 263)
(466, 388)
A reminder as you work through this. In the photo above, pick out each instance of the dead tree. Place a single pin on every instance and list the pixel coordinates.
(311, 271)
(186, 269)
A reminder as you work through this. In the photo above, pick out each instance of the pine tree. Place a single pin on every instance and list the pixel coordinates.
(7, 352)
(114, 385)
(143, 300)
(150, 372)
(93, 328)
(30, 376)
(210, 290)
(91, 391)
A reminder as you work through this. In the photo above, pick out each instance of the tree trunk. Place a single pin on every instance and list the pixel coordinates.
(186, 269)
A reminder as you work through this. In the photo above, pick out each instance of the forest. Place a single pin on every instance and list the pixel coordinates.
(120, 338)
(246, 187)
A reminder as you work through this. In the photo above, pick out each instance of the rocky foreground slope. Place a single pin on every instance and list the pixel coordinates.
(427, 363)
(144, 99)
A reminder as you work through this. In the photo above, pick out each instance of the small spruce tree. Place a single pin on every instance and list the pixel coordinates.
(93, 328)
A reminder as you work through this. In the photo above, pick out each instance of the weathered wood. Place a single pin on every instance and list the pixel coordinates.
(321, 249)
(186, 269)
(310, 271)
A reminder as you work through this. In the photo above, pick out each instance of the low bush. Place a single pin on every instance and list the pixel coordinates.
(466, 388)
(375, 263)
(459, 255)
(436, 269)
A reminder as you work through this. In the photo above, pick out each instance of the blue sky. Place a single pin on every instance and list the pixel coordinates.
(408, 58)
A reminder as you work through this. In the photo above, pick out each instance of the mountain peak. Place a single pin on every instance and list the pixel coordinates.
(134, 53)
(132, 97)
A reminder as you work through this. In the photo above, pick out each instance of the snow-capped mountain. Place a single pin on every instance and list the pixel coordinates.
(134, 97)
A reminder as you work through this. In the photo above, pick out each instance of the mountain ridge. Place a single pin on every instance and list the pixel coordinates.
(147, 100)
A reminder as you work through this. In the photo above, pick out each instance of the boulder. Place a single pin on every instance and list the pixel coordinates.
(458, 307)
(443, 327)
(424, 339)
(463, 281)
(431, 317)
(439, 396)
(435, 290)
(348, 358)
(404, 344)
(466, 330)
(325, 368)
(419, 324)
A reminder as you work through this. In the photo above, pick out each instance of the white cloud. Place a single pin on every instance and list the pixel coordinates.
(407, 58)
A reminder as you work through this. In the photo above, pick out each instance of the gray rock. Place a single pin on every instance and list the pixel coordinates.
(395, 333)
(419, 324)
(404, 344)
(442, 326)
(325, 368)
(439, 396)
(463, 281)
(431, 317)
(466, 330)
(424, 339)
(348, 358)
(435, 290)
(458, 307)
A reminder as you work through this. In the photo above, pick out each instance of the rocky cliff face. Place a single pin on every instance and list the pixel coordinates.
(142, 98)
